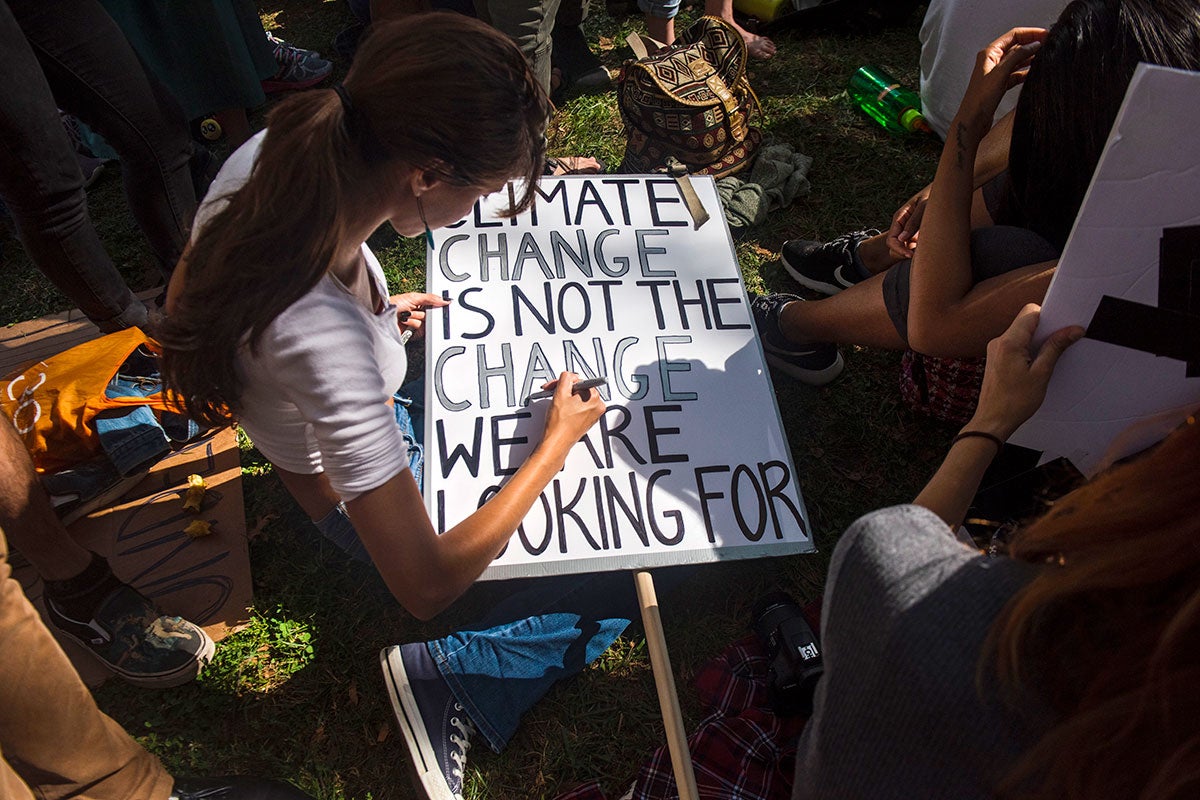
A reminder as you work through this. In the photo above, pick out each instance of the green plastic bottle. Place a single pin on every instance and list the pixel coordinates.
(887, 102)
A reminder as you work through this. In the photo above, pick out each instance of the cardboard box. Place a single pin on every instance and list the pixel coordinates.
(205, 580)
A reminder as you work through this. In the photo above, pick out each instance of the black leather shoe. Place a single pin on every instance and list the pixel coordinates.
(235, 787)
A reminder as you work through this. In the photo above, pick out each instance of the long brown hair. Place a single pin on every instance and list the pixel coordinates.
(1071, 97)
(438, 92)
(1108, 633)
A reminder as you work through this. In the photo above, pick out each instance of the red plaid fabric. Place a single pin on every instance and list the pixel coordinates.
(740, 751)
(943, 388)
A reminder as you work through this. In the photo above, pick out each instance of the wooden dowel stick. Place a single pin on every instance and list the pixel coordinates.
(664, 682)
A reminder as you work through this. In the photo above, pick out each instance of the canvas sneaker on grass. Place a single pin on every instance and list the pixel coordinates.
(825, 267)
(298, 68)
(816, 364)
(121, 627)
(435, 727)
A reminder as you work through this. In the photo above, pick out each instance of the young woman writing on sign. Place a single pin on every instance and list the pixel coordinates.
(280, 317)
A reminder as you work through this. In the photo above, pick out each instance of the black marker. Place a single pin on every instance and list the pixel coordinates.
(579, 388)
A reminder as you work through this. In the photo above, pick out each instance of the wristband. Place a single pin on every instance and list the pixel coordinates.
(991, 437)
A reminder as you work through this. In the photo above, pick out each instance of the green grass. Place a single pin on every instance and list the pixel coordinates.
(298, 694)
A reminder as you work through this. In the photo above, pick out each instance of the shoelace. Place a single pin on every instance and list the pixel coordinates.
(463, 742)
(286, 54)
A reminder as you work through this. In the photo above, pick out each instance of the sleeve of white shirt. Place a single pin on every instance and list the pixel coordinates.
(327, 366)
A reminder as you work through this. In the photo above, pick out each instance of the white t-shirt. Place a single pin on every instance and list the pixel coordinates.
(315, 397)
(953, 33)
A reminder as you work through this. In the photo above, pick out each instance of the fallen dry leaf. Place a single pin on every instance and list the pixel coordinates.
(259, 525)
(195, 493)
(198, 528)
(384, 731)
(353, 693)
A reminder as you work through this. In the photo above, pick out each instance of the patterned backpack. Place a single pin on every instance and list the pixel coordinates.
(690, 102)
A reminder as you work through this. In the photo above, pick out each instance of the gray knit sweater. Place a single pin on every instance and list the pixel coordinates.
(898, 713)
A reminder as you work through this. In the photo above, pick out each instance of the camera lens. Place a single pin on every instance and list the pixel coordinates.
(793, 651)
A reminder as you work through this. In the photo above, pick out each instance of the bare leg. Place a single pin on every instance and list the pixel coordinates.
(27, 518)
(760, 47)
(854, 316)
(661, 28)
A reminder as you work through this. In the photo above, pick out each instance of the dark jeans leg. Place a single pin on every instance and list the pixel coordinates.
(42, 186)
(94, 73)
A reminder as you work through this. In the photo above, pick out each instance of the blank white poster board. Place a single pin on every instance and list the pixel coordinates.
(606, 277)
(1130, 274)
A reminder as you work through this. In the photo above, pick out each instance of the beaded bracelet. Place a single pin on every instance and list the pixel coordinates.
(991, 437)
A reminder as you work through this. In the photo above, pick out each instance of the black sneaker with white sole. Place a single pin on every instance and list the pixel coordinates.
(123, 629)
(435, 726)
(825, 267)
(816, 363)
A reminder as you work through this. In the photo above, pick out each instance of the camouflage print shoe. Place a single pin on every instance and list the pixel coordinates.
(122, 628)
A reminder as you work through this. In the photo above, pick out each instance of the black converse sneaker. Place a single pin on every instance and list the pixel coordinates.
(122, 628)
(816, 364)
(825, 267)
(435, 726)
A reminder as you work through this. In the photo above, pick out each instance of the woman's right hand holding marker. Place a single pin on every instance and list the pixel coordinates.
(571, 414)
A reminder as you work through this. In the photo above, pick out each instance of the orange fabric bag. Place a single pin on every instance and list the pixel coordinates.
(52, 404)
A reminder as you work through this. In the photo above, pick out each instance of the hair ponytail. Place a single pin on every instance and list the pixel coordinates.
(259, 254)
(439, 92)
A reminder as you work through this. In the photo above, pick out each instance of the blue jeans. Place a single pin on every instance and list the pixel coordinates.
(663, 9)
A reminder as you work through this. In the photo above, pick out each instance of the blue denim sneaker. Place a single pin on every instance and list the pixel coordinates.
(435, 726)
(816, 364)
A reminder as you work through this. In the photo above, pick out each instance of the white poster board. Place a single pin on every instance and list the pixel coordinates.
(1130, 274)
(606, 277)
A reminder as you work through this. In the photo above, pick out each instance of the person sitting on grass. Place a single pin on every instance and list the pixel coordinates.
(995, 219)
(281, 316)
(1065, 669)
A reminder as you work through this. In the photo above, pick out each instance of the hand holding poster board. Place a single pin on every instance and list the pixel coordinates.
(1130, 274)
(606, 277)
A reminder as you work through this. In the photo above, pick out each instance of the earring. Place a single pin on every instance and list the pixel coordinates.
(428, 233)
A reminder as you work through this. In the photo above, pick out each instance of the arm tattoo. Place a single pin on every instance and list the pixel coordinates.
(960, 134)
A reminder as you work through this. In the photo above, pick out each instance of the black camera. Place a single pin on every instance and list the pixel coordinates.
(793, 651)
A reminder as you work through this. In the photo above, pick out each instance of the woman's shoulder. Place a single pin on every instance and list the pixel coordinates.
(232, 176)
(904, 535)
(905, 553)
(325, 317)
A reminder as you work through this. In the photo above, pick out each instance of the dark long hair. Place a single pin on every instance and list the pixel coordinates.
(1073, 92)
(1108, 633)
(439, 92)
